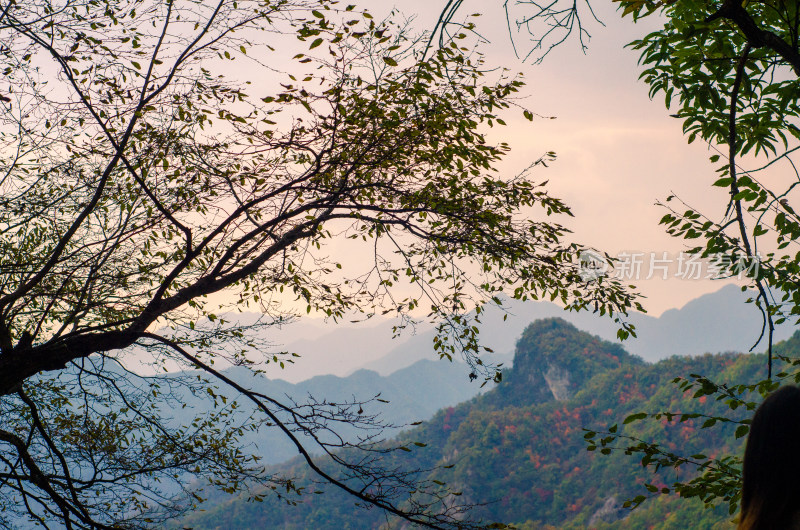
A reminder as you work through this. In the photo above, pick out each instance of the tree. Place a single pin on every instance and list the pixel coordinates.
(730, 71)
(140, 179)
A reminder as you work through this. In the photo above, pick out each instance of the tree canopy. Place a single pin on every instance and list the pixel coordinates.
(141, 177)
(729, 70)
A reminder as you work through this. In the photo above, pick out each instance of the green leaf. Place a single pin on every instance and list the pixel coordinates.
(634, 417)
(724, 182)
(742, 430)
(710, 422)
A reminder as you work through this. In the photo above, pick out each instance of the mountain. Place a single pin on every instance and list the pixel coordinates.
(343, 349)
(409, 395)
(554, 361)
(717, 322)
(519, 453)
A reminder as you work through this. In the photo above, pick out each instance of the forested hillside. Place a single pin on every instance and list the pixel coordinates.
(518, 451)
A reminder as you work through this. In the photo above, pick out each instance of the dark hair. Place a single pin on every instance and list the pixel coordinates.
(771, 470)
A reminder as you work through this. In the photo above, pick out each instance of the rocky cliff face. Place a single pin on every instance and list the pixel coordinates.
(557, 380)
(609, 512)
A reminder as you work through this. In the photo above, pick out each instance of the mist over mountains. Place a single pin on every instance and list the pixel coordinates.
(362, 362)
(518, 452)
(716, 322)
(409, 395)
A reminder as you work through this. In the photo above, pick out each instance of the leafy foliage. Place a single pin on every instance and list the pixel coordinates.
(718, 480)
(729, 70)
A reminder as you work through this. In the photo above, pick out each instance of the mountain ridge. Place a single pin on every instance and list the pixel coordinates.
(520, 453)
(716, 322)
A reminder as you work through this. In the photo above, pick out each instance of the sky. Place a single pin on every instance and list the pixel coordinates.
(618, 152)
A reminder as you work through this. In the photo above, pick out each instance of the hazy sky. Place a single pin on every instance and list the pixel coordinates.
(618, 151)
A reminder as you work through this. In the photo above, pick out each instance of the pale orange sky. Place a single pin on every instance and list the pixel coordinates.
(618, 151)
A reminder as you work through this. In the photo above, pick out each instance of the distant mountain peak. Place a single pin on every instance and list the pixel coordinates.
(553, 360)
(554, 340)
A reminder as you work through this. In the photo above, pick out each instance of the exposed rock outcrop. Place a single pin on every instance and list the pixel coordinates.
(610, 511)
(557, 380)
